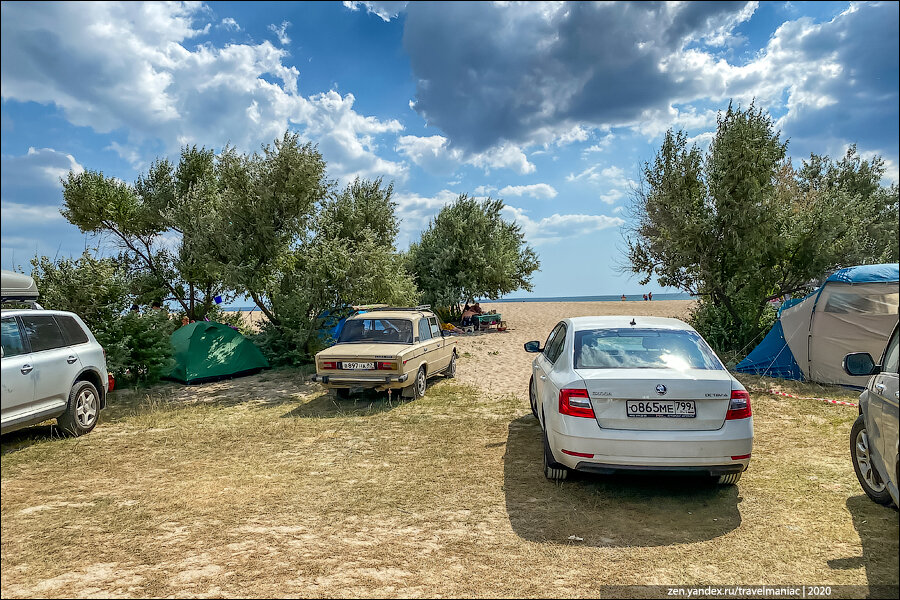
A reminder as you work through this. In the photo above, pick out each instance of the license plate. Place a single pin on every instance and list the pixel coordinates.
(358, 365)
(672, 409)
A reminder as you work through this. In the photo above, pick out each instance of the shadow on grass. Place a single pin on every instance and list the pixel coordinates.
(877, 528)
(357, 405)
(612, 510)
(23, 438)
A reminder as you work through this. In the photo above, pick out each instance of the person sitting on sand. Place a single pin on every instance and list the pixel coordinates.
(467, 315)
(476, 308)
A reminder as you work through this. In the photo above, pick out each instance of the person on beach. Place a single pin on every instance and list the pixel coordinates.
(645, 296)
(476, 308)
(623, 297)
(650, 296)
(467, 315)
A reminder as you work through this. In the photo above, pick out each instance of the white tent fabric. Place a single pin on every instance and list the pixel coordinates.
(855, 310)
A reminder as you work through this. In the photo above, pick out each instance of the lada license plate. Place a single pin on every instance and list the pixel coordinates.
(672, 409)
(357, 365)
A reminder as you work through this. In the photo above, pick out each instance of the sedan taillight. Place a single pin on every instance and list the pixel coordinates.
(386, 366)
(575, 403)
(329, 365)
(739, 406)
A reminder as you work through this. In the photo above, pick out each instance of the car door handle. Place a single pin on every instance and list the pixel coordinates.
(71, 359)
(879, 387)
(543, 377)
(26, 369)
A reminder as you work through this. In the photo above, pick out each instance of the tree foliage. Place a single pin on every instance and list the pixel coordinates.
(99, 291)
(158, 222)
(739, 226)
(470, 251)
(349, 258)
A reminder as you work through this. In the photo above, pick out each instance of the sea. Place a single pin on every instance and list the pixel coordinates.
(607, 298)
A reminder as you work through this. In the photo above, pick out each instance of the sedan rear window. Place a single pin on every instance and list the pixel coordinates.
(643, 349)
(373, 331)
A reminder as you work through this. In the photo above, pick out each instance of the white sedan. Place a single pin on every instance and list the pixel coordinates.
(637, 394)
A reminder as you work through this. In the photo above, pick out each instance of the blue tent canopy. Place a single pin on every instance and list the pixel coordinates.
(772, 357)
(867, 274)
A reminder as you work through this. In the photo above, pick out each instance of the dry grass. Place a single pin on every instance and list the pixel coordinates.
(265, 487)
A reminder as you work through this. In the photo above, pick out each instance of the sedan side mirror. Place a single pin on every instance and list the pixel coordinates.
(534, 346)
(860, 364)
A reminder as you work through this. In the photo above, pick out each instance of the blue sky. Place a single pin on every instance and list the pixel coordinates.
(550, 106)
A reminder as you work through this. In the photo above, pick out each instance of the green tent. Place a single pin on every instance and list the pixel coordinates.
(207, 351)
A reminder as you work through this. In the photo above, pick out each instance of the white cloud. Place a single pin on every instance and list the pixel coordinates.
(415, 211)
(280, 32)
(536, 190)
(230, 24)
(434, 154)
(557, 227)
(128, 67)
(27, 214)
(385, 10)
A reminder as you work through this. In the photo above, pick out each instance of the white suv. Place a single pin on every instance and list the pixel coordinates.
(53, 367)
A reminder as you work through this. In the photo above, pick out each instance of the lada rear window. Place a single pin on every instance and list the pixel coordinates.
(374, 330)
(642, 349)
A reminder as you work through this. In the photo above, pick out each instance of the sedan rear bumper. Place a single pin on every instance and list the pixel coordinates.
(714, 470)
(725, 450)
(364, 381)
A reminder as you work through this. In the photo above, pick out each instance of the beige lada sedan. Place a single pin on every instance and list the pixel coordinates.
(387, 349)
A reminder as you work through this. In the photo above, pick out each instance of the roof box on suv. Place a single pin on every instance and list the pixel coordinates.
(18, 287)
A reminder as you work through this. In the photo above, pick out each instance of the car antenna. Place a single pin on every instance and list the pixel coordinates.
(633, 323)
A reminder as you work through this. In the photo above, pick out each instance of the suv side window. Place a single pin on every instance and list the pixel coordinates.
(42, 332)
(424, 330)
(892, 354)
(12, 342)
(71, 330)
(435, 329)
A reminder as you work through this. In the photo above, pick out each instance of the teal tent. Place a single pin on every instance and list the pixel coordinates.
(208, 351)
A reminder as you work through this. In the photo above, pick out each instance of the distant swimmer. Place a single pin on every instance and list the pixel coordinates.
(623, 297)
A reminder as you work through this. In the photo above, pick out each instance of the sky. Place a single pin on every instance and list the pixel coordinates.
(552, 107)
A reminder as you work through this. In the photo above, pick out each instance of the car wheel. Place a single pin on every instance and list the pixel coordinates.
(860, 453)
(532, 397)
(450, 372)
(420, 384)
(342, 393)
(83, 409)
(552, 469)
(729, 479)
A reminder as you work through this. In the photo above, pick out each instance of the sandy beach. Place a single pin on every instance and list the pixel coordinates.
(496, 362)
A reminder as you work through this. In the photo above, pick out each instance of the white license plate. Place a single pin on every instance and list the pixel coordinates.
(357, 365)
(672, 409)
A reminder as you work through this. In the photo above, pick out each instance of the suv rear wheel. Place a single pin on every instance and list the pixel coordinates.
(83, 409)
(860, 453)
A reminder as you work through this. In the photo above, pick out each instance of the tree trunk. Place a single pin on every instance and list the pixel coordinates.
(269, 314)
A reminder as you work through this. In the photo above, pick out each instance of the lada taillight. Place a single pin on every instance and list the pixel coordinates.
(329, 364)
(386, 366)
